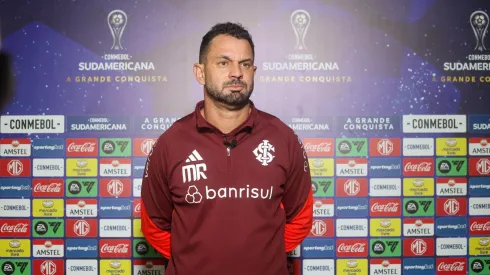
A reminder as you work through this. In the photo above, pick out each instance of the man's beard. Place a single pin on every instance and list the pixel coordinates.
(234, 100)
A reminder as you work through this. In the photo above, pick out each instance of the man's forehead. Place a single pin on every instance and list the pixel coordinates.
(230, 47)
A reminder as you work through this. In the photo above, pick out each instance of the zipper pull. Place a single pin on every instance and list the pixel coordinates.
(228, 150)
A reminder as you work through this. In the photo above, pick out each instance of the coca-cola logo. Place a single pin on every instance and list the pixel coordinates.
(87, 147)
(324, 147)
(18, 228)
(418, 167)
(391, 207)
(475, 226)
(115, 249)
(456, 266)
(351, 248)
(54, 187)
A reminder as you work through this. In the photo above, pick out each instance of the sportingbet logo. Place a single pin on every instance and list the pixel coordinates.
(194, 196)
(193, 172)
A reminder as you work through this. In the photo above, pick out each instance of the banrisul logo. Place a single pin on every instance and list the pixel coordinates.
(142, 249)
(48, 228)
(353, 147)
(414, 207)
(451, 166)
(81, 187)
(323, 187)
(115, 147)
(385, 247)
(15, 267)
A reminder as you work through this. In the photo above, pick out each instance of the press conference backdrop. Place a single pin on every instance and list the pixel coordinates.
(390, 99)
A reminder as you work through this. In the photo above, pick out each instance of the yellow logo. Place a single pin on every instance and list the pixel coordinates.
(137, 228)
(415, 187)
(47, 207)
(385, 227)
(352, 267)
(321, 167)
(15, 248)
(81, 167)
(480, 246)
(115, 266)
(450, 147)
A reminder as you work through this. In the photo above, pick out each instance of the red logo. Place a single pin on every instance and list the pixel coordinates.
(48, 267)
(351, 187)
(137, 207)
(81, 147)
(479, 226)
(83, 228)
(451, 207)
(385, 207)
(418, 247)
(143, 146)
(15, 228)
(451, 266)
(47, 188)
(322, 228)
(479, 167)
(381, 147)
(319, 147)
(352, 248)
(115, 248)
(115, 187)
(418, 167)
(15, 167)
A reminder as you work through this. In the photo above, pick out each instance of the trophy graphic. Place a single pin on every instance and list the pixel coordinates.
(300, 19)
(479, 24)
(117, 20)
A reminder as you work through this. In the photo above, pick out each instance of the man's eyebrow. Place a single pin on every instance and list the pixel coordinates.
(229, 59)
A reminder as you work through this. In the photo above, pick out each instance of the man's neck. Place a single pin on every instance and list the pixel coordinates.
(222, 118)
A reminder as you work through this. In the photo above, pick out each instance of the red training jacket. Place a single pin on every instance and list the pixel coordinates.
(213, 209)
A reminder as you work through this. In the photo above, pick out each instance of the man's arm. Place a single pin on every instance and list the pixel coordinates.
(156, 202)
(298, 196)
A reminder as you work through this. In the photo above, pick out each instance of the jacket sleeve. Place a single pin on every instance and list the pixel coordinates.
(298, 196)
(156, 203)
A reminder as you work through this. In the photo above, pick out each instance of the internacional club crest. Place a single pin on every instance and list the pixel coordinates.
(263, 152)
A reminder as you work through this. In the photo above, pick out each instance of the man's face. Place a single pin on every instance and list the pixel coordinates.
(229, 71)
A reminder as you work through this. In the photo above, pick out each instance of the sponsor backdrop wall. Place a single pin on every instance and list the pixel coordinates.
(390, 99)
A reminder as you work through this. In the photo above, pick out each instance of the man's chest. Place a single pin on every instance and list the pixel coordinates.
(253, 171)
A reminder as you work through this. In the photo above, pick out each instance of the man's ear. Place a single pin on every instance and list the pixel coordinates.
(199, 73)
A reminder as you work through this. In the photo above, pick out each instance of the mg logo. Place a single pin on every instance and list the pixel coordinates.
(385, 147)
(483, 166)
(146, 146)
(81, 228)
(115, 188)
(48, 268)
(263, 152)
(15, 167)
(418, 247)
(319, 228)
(352, 187)
(451, 207)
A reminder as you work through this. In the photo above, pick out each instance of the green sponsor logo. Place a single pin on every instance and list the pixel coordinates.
(48, 228)
(142, 249)
(414, 207)
(451, 166)
(15, 267)
(385, 247)
(479, 265)
(81, 187)
(352, 147)
(115, 147)
(323, 187)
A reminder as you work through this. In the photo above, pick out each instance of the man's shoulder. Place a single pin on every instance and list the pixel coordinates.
(175, 130)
